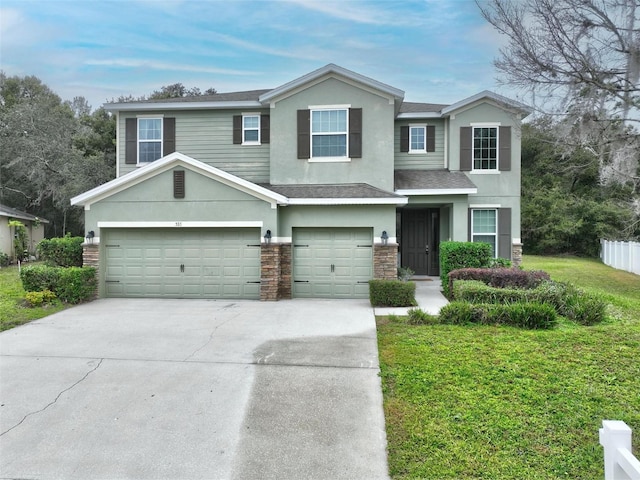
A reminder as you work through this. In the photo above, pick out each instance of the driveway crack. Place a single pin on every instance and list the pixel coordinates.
(210, 337)
(55, 399)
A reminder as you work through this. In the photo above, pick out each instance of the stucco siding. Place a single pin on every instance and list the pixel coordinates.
(420, 161)
(207, 136)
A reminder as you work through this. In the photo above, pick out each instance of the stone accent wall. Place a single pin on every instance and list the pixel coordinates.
(91, 258)
(516, 254)
(269, 271)
(385, 261)
(284, 287)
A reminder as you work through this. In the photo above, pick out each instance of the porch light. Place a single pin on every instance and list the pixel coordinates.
(384, 237)
(267, 237)
(89, 236)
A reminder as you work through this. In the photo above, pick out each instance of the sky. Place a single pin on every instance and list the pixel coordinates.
(437, 51)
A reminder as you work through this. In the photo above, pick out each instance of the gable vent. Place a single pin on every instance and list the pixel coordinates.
(178, 184)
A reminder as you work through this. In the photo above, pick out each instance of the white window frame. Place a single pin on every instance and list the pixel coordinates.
(495, 234)
(342, 158)
(423, 127)
(473, 150)
(139, 140)
(244, 129)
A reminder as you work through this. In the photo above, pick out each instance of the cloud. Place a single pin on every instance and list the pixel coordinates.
(260, 48)
(133, 63)
(359, 12)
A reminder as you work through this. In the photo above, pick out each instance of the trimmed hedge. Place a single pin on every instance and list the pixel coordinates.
(392, 293)
(71, 285)
(500, 277)
(567, 300)
(456, 255)
(63, 252)
(531, 315)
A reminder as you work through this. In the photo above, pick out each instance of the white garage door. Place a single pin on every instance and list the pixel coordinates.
(332, 262)
(182, 263)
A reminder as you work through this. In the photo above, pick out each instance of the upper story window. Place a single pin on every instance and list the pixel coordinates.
(251, 129)
(329, 133)
(417, 139)
(149, 139)
(485, 148)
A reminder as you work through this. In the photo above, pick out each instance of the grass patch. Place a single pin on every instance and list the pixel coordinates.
(466, 402)
(13, 310)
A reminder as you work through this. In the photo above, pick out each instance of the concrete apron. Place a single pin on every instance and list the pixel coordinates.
(188, 389)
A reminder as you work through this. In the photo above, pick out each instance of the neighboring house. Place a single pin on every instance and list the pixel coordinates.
(33, 224)
(306, 190)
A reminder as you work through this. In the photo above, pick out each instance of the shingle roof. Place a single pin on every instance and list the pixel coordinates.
(431, 180)
(345, 190)
(249, 95)
(6, 211)
(414, 107)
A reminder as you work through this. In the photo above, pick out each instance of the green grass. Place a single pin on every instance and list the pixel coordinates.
(466, 402)
(13, 311)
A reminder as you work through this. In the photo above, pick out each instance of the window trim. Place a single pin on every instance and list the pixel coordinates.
(258, 128)
(485, 171)
(422, 126)
(155, 140)
(318, 158)
(497, 230)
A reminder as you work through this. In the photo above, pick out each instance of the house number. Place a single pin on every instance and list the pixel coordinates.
(178, 224)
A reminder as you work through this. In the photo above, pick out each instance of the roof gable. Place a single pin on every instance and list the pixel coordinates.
(503, 102)
(166, 163)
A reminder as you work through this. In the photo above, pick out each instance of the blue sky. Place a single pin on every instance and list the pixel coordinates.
(438, 51)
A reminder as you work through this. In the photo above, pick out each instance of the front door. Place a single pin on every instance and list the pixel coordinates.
(419, 241)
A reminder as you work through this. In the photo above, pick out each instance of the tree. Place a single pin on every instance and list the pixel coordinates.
(175, 90)
(580, 60)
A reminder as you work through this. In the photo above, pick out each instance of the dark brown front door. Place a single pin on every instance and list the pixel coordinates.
(419, 240)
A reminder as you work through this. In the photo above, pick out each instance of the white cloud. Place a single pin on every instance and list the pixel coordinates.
(358, 12)
(133, 63)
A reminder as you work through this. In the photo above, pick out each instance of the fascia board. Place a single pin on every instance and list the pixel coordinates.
(22, 217)
(488, 95)
(348, 201)
(166, 163)
(438, 191)
(296, 84)
(141, 106)
(418, 115)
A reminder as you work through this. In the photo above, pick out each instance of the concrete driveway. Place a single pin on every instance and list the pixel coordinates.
(189, 389)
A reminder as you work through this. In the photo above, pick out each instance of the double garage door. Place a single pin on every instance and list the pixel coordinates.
(182, 262)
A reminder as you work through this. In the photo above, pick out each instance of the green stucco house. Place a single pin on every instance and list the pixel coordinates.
(306, 190)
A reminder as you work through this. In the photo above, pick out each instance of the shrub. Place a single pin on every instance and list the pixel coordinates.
(455, 255)
(392, 293)
(36, 299)
(62, 252)
(405, 273)
(532, 315)
(499, 263)
(420, 317)
(500, 277)
(4, 259)
(475, 291)
(71, 285)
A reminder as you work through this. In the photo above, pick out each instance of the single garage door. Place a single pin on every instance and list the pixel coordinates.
(332, 262)
(182, 262)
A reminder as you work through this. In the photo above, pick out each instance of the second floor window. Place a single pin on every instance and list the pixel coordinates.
(329, 133)
(417, 140)
(250, 129)
(149, 139)
(485, 148)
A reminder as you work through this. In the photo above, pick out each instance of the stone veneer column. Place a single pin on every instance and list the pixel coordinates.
(385, 261)
(91, 255)
(516, 254)
(284, 285)
(269, 271)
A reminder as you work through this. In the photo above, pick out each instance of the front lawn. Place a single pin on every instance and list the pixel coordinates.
(13, 312)
(465, 402)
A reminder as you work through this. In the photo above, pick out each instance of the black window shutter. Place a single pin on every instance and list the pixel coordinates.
(504, 157)
(504, 233)
(178, 184)
(168, 136)
(237, 129)
(431, 138)
(131, 141)
(404, 139)
(304, 134)
(355, 133)
(265, 128)
(466, 149)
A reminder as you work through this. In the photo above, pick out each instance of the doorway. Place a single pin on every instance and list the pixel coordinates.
(420, 239)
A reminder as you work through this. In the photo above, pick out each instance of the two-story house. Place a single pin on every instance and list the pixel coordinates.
(306, 190)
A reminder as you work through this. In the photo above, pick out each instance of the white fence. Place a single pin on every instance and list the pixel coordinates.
(621, 255)
(619, 462)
